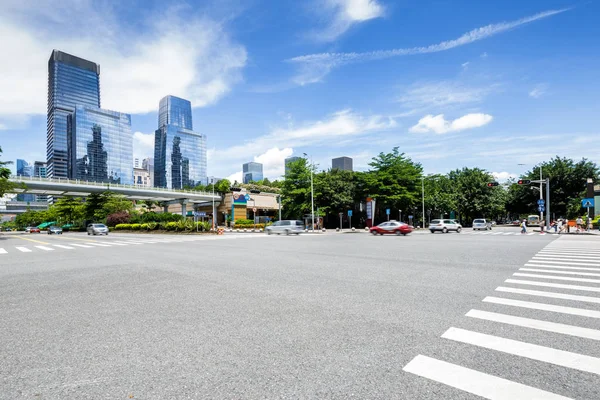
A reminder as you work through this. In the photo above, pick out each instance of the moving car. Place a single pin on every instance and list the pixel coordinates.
(286, 227)
(482, 223)
(33, 229)
(55, 229)
(97, 229)
(395, 227)
(444, 226)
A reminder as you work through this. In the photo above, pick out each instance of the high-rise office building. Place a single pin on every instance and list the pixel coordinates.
(100, 145)
(288, 161)
(24, 168)
(72, 81)
(252, 172)
(39, 169)
(179, 152)
(342, 163)
(148, 165)
(175, 111)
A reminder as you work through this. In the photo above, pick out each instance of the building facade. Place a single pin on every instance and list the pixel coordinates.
(100, 146)
(252, 172)
(148, 165)
(39, 169)
(342, 163)
(72, 81)
(141, 177)
(179, 151)
(175, 111)
(288, 161)
(24, 168)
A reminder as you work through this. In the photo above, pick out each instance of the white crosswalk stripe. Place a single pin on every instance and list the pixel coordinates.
(85, 246)
(561, 260)
(23, 249)
(2, 251)
(45, 248)
(61, 246)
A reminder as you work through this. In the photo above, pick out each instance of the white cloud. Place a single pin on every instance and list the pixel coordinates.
(503, 176)
(443, 93)
(273, 161)
(439, 125)
(484, 54)
(236, 177)
(539, 91)
(314, 67)
(343, 14)
(466, 65)
(143, 145)
(3, 127)
(172, 51)
(333, 129)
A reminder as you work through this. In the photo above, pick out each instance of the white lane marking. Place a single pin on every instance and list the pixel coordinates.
(2, 251)
(475, 382)
(98, 244)
(498, 233)
(129, 242)
(554, 285)
(568, 256)
(44, 248)
(115, 244)
(531, 233)
(558, 278)
(63, 246)
(564, 329)
(582, 312)
(542, 265)
(559, 272)
(583, 263)
(509, 233)
(595, 261)
(555, 295)
(81, 245)
(23, 249)
(523, 349)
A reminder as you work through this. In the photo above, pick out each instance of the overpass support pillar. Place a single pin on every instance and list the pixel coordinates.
(183, 207)
(166, 208)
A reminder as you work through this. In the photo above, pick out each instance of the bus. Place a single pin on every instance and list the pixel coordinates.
(533, 220)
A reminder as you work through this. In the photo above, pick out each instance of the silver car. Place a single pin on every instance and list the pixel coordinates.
(286, 227)
(97, 229)
(444, 226)
(482, 223)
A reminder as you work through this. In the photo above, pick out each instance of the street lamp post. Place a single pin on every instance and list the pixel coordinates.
(212, 181)
(400, 215)
(423, 200)
(312, 195)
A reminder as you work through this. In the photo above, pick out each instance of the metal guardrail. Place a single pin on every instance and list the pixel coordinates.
(25, 179)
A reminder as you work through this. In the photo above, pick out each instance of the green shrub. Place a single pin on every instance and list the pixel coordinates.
(144, 227)
(156, 217)
(244, 222)
(152, 226)
(170, 226)
(122, 227)
(136, 227)
(249, 226)
(203, 226)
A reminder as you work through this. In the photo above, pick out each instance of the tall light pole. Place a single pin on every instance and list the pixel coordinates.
(312, 195)
(423, 200)
(212, 181)
(541, 193)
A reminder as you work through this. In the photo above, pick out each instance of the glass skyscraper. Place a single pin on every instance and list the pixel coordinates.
(252, 172)
(179, 152)
(100, 146)
(175, 111)
(24, 169)
(72, 81)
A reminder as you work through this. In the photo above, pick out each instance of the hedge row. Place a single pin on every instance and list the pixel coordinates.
(180, 226)
(248, 226)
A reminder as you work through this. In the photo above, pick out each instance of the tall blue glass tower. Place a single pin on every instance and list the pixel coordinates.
(72, 81)
(175, 111)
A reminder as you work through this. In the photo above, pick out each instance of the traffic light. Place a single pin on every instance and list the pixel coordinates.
(523, 182)
(490, 184)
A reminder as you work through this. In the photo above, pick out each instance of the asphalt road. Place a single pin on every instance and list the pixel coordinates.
(336, 315)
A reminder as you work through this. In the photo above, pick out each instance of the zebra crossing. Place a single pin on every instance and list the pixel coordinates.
(119, 242)
(499, 233)
(558, 283)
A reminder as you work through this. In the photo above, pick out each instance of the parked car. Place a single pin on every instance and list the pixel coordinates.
(482, 223)
(444, 226)
(8, 229)
(55, 230)
(391, 227)
(28, 229)
(286, 227)
(97, 229)
(33, 229)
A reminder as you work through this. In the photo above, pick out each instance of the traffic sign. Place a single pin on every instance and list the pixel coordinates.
(541, 208)
(247, 197)
(199, 214)
(349, 213)
(387, 211)
(541, 202)
(587, 203)
(254, 209)
(410, 217)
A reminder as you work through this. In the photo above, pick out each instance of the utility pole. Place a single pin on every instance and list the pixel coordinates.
(547, 204)
(541, 193)
(312, 195)
(423, 199)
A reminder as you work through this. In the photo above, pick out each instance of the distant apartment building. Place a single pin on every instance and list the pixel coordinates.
(141, 177)
(288, 161)
(148, 165)
(342, 163)
(179, 152)
(252, 172)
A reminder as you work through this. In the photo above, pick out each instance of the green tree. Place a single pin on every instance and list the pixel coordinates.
(295, 190)
(568, 180)
(223, 186)
(439, 196)
(5, 184)
(69, 209)
(334, 191)
(472, 196)
(99, 205)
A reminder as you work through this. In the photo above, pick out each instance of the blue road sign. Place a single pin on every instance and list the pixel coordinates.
(247, 197)
(587, 203)
(541, 202)
(410, 217)
(349, 213)
(541, 208)
(387, 211)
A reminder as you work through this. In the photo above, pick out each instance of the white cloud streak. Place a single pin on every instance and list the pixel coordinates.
(343, 14)
(503, 176)
(439, 125)
(175, 52)
(143, 145)
(539, 91)
(314, 67)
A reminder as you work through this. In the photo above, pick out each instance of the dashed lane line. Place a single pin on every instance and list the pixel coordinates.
(23, 249)
(45, 248)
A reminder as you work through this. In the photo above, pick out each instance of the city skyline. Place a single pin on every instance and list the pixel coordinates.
(361, 78)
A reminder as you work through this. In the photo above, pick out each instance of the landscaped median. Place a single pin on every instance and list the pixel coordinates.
(163, 227)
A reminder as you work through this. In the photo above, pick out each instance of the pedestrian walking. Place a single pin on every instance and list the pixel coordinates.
(590, 226)
(560, 225)
(524, 226)
(566, 225)
(542, 225)
(579, 223)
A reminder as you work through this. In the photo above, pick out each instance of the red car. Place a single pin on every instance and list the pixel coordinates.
(398, 228)
(34, 229)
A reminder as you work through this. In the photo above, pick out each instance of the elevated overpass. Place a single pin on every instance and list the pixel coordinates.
(59, 187)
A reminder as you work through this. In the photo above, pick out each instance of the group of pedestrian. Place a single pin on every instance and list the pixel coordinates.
(562, 225)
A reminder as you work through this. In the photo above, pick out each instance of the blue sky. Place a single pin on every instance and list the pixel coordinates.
(452, 83)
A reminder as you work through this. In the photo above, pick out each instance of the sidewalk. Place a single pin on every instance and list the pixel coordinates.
(593, 232)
